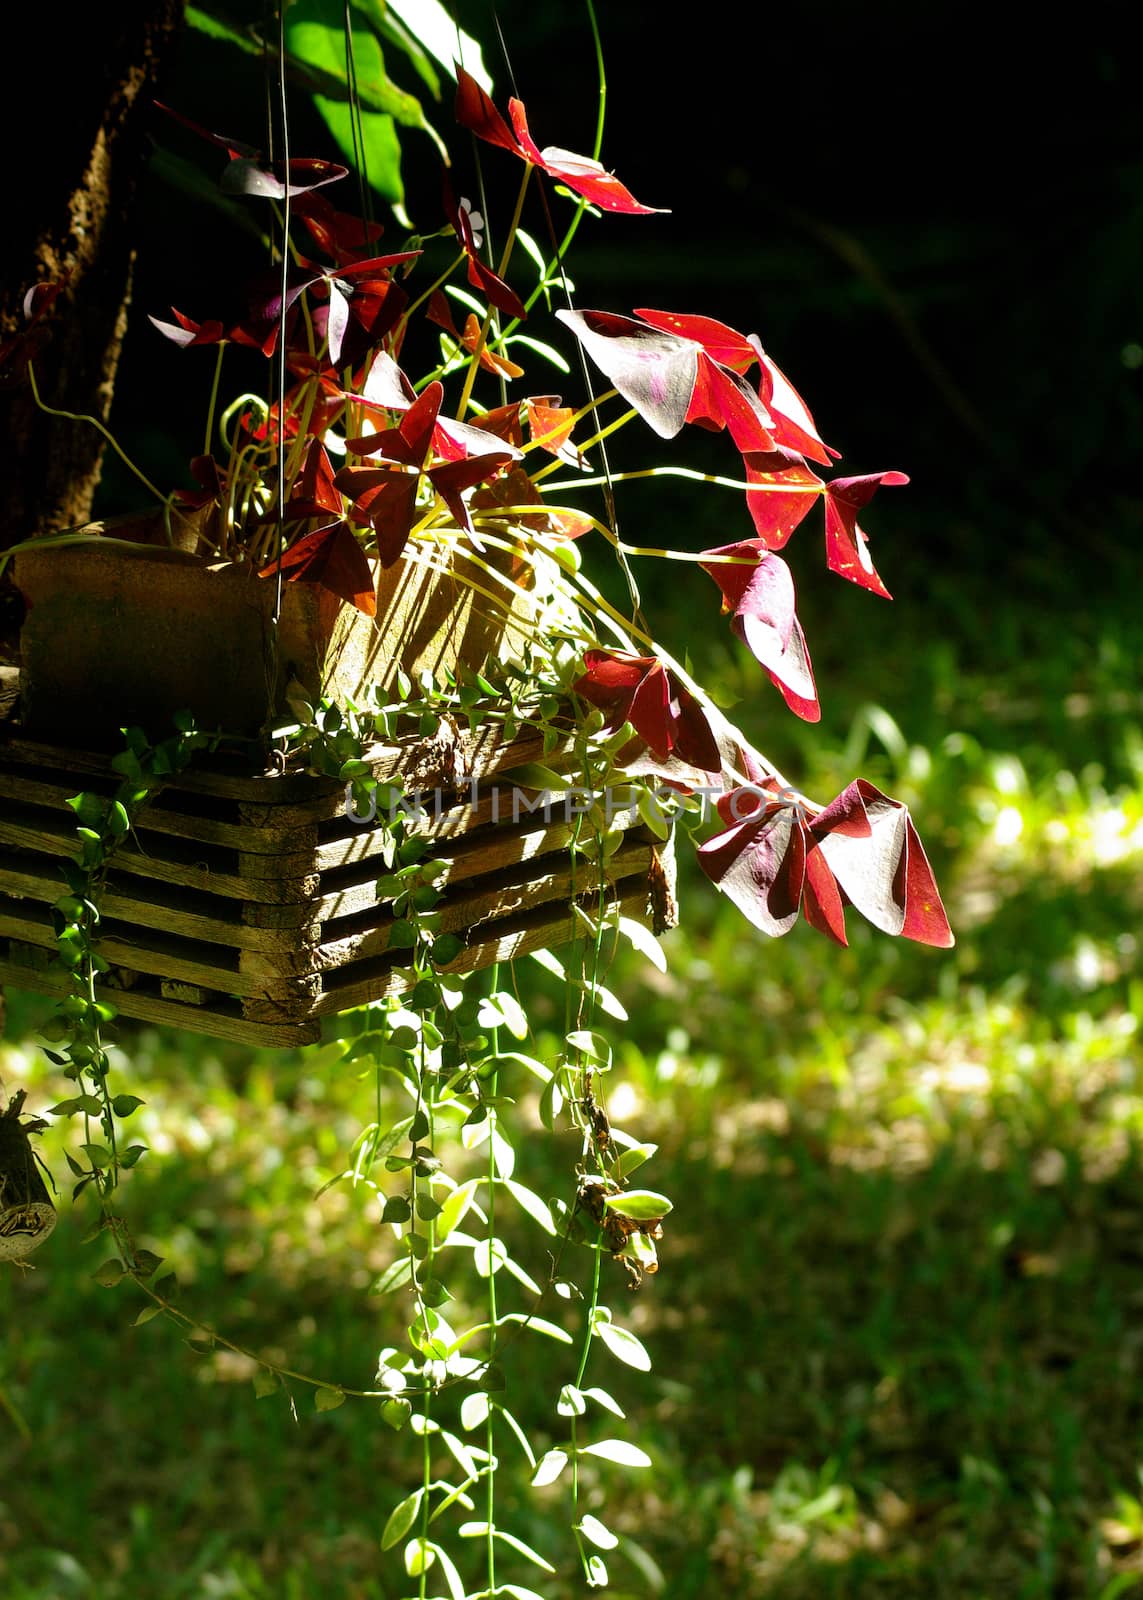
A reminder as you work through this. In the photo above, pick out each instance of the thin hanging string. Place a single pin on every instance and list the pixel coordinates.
(608, 482)
(356, 126)
(283, 289)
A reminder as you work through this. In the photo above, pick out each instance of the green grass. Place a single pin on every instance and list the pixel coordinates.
(896, 1331)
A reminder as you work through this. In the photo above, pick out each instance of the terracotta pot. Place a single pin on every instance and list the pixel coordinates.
(124, 631)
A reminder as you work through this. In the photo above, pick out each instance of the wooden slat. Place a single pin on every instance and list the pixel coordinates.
(293, 797)
(217, 1020)
(216, 822)
(266, 1024)
(541, 928)
(293, 976)
(161, 861)
(247, 906)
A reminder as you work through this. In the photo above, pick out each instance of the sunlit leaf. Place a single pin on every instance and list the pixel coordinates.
(641, 1205)
(620, 1451)
(530, 1202)
(551, 1464)
(597, 1533)
(624, 1346)
(401, 1519)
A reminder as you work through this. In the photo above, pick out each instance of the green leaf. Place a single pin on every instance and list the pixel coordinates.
(455, 1207)
(460, 1454)
(550, 353)
(651, 814)
(445, 949)
(643, 940)
(530, 1202)
(538, 1325)
(571, 1402)
(124, 1104)
(396, 1274)
(503, 1155)
(551, 1103)
(474, 1409)
(619, 1451)
(118, 821)
(110, 1273)
(551, 1464)
(88, 808)
(146, 1263)
(83, 1102)
(419, 1557)
(147, 1314)
(396, 1413)
(329, 1399)
(265, 1383)
(641, 1205)
(634, 1156)
(504, 1010)
(608, 1002)
(594, 1530)
(401, 1518)
(434, 27)
(533, 775)
(396, 1210)
(602, 1398)
(402, 935)
(624, 1346)
(589, 1043)
(98, 1154)
(488, 1256)
(480, 1530)
(597, 1572)
(452, 1577)
(529, 1063)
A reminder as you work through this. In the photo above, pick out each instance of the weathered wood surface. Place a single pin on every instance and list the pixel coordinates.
(270, 1022)
(247, 907)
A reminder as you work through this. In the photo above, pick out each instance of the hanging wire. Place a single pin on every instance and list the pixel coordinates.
(608, 481)
(356, 125)
(283, 287)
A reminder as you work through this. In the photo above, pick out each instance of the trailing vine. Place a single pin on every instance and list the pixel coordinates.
(457, 1049)
(82, 1019)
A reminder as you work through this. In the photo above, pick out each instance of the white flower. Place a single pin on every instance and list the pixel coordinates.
(475, 222)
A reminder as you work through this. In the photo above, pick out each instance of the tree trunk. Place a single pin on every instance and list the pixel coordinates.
(97, 69)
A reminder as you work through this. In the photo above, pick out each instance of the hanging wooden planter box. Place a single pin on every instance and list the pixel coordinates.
(245, 906)
(125, 630)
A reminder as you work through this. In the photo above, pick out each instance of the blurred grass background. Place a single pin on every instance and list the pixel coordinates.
(896, 1335)
(898, 1331)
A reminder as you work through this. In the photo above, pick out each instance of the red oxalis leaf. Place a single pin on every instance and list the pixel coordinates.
(641, 691)
(476, 112)
(332, 557)
(758, 591)
(862, 850)
(885, 872)
(846, 544)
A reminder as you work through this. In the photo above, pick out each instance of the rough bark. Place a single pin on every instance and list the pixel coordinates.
(77, 157)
